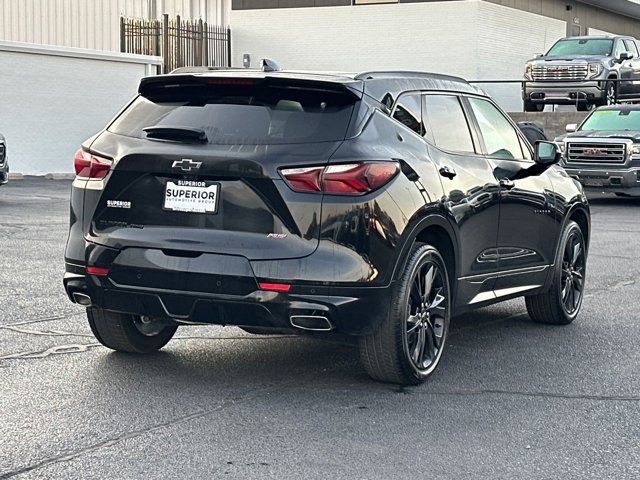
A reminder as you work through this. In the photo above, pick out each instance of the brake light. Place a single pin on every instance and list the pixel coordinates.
(344, 179)
(90, 166)
(275, 287)
(92, 270)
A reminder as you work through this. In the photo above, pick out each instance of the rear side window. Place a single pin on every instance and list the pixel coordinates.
(409, 112)
(244, 113)
(447, 123)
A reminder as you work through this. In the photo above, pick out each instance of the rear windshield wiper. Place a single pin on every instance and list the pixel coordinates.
(176, 133)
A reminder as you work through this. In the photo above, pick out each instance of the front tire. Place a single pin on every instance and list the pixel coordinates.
(407, 346)
(129, 333)
(561, 304)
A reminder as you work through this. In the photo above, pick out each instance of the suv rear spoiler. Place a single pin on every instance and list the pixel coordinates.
(163, 84)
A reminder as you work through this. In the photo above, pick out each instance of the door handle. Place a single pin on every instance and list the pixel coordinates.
(447, 172)
(507, 184)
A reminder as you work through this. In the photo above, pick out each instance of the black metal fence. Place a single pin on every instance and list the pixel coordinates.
(180, 43)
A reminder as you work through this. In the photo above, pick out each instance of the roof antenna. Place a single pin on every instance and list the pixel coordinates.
(269, 65)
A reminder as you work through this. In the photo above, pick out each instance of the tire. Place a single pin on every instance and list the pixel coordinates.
(584, 107)
(611, 93)
(128, 333)
(533, 107)
(388, 354)
(559, 306)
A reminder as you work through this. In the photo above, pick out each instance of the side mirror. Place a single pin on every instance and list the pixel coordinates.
(538, 55)
(572, 127)
(625, 56)
(547, 153)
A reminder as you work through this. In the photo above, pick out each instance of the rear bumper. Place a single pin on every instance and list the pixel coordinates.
(625, 180)
(563, 93)
(350, 310)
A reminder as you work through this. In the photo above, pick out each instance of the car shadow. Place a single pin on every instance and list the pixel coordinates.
(225, 362)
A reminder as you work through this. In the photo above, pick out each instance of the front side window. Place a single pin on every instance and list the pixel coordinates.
(447, 123)
(500, 138)
(620, 47)
(631, 47)
(409, 112)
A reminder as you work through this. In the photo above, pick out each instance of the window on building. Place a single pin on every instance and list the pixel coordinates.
(408, 111)
(447, 123)
(500, 137)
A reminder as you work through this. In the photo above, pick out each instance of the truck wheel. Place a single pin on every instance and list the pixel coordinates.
(561, 304)
(533, 107)
(611, 90)
(407, 346)
(129, 333)
(584, 107)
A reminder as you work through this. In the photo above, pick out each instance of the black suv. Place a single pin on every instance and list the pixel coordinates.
(377, 205)
(4, 161)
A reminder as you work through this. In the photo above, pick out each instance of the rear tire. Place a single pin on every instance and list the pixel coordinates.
(407, 346)
(561, 304)
(129, 333)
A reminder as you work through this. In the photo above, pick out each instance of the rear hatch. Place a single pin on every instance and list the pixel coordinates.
(196, 164)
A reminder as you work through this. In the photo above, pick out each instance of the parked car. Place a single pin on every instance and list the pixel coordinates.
(4, 161)
(603, 152)
(377, 205)
(532, 132)
(583, 71)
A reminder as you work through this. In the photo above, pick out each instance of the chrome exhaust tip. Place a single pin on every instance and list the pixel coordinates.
(315, 323)
(82, 299)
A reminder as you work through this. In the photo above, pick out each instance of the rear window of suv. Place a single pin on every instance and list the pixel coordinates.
(246, 113)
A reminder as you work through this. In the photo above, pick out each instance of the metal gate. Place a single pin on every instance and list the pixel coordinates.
(179, 42)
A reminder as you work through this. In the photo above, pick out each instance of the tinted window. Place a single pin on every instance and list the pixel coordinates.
(447, 123)
(409, 112)
(570, 46)
(631, 47)
(243, 113)
(500, 138)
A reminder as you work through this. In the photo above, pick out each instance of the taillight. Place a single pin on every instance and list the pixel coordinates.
(274, 287)
(90, 166)
(344, 179)
(93, 270)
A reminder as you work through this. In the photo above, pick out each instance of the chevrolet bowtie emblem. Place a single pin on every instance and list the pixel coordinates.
(186, 165)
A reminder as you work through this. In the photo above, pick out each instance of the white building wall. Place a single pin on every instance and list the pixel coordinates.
(54, 98)
(469, 38)
(93, 24)
(506, 39)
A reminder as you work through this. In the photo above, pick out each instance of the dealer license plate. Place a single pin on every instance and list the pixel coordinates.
(191, 196)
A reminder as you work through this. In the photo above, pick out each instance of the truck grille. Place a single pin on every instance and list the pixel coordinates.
(1, 153)
(560, 72)
(580, 152)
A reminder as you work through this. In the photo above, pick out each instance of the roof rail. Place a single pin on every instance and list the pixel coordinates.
(406, 73)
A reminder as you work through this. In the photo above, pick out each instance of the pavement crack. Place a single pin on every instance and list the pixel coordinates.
(568, 396)
(57, 350)
(65, 457)
(47, 333)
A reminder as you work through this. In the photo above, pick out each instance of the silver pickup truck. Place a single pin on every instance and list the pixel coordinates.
(583, 71)
(603, 152)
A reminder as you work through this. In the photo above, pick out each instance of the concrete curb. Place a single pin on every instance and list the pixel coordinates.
(48, 176)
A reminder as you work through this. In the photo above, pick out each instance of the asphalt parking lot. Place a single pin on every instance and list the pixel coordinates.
(511, 399)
